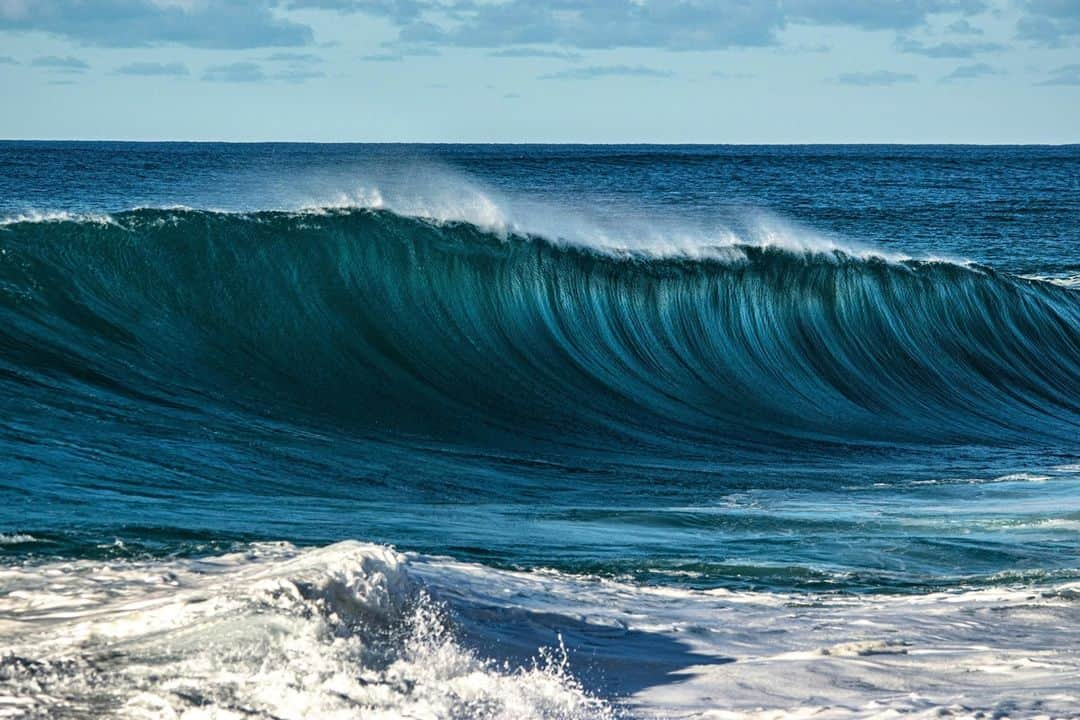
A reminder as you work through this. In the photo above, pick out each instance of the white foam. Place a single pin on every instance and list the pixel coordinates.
(336, 632)
(56, 216)
(360, 630)
(1022, 477)
(1053, 524)
(725, 654)
(1018, 477)
(442, 195)
(1068, 280)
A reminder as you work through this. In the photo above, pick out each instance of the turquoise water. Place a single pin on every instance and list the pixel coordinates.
(838, 370)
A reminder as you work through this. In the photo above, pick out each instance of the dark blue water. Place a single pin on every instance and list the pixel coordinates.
(778, 368)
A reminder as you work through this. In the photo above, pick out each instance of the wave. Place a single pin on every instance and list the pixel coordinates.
(397, 326)
(269, 630)
(263, 632)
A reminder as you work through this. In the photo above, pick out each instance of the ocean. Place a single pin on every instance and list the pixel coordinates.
(495, 431)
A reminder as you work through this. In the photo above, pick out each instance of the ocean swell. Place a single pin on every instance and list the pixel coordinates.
(397, 326)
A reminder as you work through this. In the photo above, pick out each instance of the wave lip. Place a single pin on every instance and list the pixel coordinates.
(391, 324)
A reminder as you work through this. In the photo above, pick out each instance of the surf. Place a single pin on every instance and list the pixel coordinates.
(272, 630)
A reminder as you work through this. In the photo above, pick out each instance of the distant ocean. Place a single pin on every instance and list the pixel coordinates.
(467, 431)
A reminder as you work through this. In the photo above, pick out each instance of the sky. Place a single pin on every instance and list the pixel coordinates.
(596, 71)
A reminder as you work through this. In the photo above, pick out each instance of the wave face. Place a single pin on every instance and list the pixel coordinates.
(395, 326)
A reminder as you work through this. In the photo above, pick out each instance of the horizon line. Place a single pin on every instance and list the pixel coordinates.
(569, 143)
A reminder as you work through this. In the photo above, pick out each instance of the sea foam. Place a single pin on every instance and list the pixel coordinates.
(267, 632)
(356, 629)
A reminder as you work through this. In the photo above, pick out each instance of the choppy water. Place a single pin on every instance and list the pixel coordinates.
(652, 426)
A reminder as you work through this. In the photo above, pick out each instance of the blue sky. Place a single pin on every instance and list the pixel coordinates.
(724, 71)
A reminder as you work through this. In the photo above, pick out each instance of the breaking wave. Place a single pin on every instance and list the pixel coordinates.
(399, 326)
(263, 632)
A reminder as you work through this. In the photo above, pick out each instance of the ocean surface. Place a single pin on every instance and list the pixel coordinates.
(464, 431)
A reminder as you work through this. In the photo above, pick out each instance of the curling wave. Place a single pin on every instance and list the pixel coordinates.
(398, 326)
